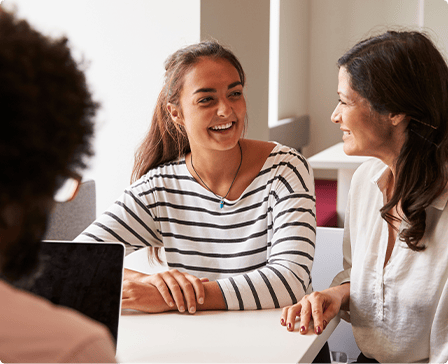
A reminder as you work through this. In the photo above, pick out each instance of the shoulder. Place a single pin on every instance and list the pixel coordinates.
(167, 168)
(173, 170)
(54, 331)
(275, 153)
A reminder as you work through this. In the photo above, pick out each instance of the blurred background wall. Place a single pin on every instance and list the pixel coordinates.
(290, 46)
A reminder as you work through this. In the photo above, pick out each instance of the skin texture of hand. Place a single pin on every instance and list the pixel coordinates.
(321, 307)
(168, 291)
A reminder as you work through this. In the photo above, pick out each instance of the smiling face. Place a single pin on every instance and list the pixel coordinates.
(366, 132)
(212, 105)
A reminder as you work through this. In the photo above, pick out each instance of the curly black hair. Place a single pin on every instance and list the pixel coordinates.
(46, 111)
(46, 114)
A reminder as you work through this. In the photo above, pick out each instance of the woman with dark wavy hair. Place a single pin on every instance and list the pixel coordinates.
(393, 105)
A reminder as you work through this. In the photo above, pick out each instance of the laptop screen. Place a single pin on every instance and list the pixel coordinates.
(84, 276)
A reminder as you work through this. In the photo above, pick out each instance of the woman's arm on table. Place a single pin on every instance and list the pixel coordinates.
(169, 291)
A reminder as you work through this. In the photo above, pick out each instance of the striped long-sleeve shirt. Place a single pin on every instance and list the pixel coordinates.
(259, 248)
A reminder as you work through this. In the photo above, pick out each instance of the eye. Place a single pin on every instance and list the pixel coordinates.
(236, 93)
(205, 100)
(341, 102)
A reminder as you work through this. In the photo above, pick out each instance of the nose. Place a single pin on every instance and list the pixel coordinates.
(224, 109)
(336, 115)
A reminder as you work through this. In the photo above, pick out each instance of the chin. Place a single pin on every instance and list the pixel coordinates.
(350, 150)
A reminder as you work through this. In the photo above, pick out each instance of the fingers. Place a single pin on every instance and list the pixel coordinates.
(198, 288)
(289, 315)
(310, 308)
(191, 290)
(179, 289)
(160, 283)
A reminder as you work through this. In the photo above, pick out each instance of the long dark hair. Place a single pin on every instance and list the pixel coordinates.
(166, 140)
(403, 72)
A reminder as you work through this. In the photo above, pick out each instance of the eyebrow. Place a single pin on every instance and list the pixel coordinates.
(340, 93)
(232, 85)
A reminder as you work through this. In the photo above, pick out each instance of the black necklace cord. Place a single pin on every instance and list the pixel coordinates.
(221, 203)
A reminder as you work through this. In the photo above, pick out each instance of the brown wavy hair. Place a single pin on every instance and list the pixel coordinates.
(403, 72)
(166, 140)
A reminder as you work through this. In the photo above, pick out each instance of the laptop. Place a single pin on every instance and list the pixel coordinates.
(84, 276)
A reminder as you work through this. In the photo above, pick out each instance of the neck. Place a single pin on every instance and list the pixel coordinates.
(219, 174)
(220, 165)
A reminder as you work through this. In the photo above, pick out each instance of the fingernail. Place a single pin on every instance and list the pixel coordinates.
(171, 304)
(181, 308)
(302, 329)
(325, 324)
(192, 309)
(318, 330)
(282, 322)
(289, 326)
(201, 301)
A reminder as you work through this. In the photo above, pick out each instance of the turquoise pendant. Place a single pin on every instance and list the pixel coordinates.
(221, 205)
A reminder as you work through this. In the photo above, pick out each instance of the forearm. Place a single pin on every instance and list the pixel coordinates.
(214, 299)
(134, 275)
(146, 297)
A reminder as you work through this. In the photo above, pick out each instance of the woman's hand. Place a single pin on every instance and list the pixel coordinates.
(143, 297)
(178, 290)
(320, 307)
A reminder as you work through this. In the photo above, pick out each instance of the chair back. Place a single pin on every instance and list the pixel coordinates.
(327, 263)
(69, 219)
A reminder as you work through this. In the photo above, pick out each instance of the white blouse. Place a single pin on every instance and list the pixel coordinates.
(399, 312)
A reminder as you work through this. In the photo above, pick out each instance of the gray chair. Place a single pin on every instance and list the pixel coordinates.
(69, 219)
(327, 263)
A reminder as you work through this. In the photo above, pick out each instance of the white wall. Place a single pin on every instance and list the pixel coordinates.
(294, 60)
(126, 44)
(335, 26)
(243, 25)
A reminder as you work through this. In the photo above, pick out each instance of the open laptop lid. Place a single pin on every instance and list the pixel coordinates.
(84, 276)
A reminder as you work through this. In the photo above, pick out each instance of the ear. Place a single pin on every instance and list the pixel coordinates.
(175, 113)
(397, 119)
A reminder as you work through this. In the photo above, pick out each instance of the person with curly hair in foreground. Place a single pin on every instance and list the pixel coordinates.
(47, 122)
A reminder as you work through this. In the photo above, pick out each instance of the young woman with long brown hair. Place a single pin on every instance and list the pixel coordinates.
(236, 217)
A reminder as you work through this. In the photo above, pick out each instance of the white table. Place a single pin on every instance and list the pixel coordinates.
(215, 336)
(335, 158)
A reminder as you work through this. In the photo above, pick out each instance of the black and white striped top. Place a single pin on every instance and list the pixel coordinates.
(259, 248)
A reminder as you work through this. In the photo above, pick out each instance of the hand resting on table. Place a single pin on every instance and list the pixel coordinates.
(168, 291)
(321, 307)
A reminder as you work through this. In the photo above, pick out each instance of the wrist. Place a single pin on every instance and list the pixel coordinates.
(343, 291)
(135, 275)
(214, 299)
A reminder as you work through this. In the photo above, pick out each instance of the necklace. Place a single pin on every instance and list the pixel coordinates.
(221, 203)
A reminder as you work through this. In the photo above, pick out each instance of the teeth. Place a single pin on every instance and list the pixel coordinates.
(346, 133)
(221, 127)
